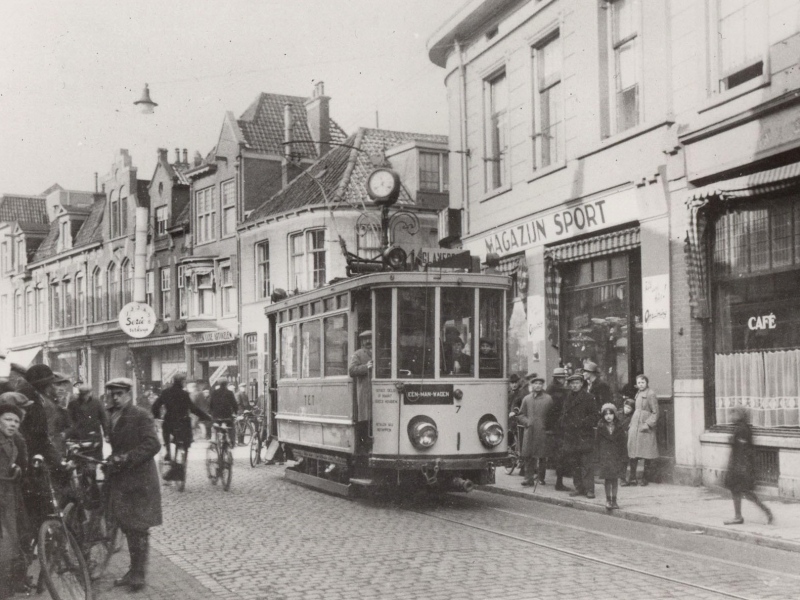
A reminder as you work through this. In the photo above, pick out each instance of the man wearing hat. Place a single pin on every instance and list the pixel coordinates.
(532, 416)
(222, 406)
(133, 477)
(578, 418)
(557, 391)
(360, 369)
(598, 388)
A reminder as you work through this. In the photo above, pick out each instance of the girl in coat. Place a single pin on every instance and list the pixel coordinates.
(740, 478)
(533, 413)
(642, 441)
(609, 451)
(628, 406)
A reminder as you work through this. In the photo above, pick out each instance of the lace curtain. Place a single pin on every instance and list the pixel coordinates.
(767, 383)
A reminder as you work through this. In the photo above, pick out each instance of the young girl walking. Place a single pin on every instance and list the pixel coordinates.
(609, 451)
(740, 478)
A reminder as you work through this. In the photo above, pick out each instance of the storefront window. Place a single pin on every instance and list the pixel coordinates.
(336, 355)
(602, 317)
(457, 338)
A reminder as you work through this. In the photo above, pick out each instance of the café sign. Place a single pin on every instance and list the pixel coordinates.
(137, 319)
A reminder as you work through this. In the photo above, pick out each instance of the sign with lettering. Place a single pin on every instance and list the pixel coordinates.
(535, 318)
(655, 302)
(385, 417)
(761, 322)
(429, 393)
(137, 319)
(209, 337)
(561, 224)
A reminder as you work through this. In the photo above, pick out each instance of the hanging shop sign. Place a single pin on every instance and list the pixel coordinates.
(655, 302)
(137, 319)
(561, 224)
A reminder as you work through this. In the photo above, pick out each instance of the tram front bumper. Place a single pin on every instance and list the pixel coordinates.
(446, 463)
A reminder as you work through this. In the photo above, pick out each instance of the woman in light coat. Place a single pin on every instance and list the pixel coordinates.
(642, 441)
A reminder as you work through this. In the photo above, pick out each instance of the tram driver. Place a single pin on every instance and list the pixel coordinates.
(360, 369)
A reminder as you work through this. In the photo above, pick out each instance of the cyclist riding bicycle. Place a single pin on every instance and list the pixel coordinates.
(177, 426)
(223, 407)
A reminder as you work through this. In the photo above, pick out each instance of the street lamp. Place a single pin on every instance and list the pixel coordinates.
(145, 104)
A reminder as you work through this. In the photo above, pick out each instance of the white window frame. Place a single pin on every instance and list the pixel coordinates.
(496, 143)
(228, 193)
(303, 275)
(80, 299)
(22, 258)
(227, 295)
(262, 270)
(19, 313)
(443, 171)
(205, 295)
(631, 42)
(149, 286)
(161, 220)
(183, 309)
(551, 88)
(205, 210)
(166, 293)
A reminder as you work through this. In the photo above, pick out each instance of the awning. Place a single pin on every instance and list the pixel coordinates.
(159, 341)
(599, 245)
(755, 184)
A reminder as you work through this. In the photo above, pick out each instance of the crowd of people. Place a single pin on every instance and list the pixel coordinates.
(40, 410)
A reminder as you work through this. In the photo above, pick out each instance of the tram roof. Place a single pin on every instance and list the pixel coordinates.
(393, 279)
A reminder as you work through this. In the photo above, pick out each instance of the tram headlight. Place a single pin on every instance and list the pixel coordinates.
(490, 432)
(422, 432)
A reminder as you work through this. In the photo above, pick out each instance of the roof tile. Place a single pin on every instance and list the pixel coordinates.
(32, 209)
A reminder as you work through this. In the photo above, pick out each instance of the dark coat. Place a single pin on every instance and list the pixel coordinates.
(13, 519)
(35, 429)
(533, 417)
(609, 450)
(557, 392)
(135, 488)
(578, 417)
(741, 474)
(88, 418)
(601, 392)
(177, 405)
(625, 425)
(222, 405)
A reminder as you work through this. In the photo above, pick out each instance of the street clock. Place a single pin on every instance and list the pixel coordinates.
(383, 186)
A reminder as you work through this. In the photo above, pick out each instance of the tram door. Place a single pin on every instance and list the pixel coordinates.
(271, 377)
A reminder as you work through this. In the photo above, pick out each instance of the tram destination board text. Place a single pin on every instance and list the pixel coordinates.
(432, 393)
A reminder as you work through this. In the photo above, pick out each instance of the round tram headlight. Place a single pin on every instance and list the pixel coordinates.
(422, 432)
(490, 432)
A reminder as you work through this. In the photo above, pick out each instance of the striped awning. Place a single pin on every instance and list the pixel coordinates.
(159, 341)
(609, 243)
(755, 184)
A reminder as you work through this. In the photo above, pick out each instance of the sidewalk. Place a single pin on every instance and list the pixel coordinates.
(700, 510)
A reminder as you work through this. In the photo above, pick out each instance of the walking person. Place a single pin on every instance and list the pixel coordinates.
(13, 521)
(133, 478)
(222, 407)
(642, 442)
(609, 452)
(557, 390)
(740, 478)
(578, 419)
(533, 413)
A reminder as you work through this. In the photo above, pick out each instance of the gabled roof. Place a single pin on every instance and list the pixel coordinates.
(261, 126)
(342, 173)
(30, 209)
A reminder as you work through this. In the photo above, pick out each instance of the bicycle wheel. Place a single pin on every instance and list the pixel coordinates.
(255, 450)
(181, 483)
(62, 564)
(514, 462)
(211, 463)
(246, 433)
(91, 531)
(226, 469)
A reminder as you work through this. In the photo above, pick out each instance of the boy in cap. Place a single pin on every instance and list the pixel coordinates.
(134, 443)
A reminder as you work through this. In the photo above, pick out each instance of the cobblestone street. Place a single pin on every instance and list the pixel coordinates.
(270, 539)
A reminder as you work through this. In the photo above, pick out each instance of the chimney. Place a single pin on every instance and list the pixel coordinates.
(185, 156)
(319, 118)
(198, 159)
(177, 156)
(96, 188)
(289, 169)
(162, 154)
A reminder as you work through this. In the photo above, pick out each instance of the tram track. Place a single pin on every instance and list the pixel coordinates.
(605, 562)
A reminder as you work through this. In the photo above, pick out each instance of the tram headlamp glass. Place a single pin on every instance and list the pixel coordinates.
(490, 433)
(422, 432)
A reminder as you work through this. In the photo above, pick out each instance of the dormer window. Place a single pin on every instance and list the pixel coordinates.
(21, 255)
(64, 235)
(433, 172)
(161, 220)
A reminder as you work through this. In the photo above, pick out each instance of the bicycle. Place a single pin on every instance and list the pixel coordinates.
(219, 458)
(515, 448)
(258, 443)
(63, 567)
(87, 514)
(246, 425)
(177, 468)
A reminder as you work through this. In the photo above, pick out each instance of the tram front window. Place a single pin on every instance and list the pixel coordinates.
(416, 332)
(490, 356)
(457, 339)
(383, 334)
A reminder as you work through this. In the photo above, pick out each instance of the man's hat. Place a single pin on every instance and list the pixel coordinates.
(536, 378)
(120, 383)
(529, 377)
(574, 378)
(559, 372)
(15, 398)
(367, 333)
(42, 375)
(590, 367)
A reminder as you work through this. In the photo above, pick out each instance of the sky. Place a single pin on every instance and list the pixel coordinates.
(70, 72)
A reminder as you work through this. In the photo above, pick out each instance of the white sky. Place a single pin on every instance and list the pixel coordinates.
(70, 72)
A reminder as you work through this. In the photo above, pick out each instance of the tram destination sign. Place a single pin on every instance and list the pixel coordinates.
(428, 393)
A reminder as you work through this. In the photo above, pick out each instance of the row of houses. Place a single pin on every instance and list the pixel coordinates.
(267, 209)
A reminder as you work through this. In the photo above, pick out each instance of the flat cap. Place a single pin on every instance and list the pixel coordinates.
(367, 333)
(574, 378)
(120, 382)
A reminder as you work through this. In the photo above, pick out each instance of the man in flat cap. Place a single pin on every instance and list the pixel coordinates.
(360, 369)
(578, 418)
(133, 477)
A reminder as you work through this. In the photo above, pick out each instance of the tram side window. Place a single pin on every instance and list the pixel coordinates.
(288, 352)
(490, 357)
(415, 332)
(383, 334)
(310, 349)
(336, 355)
(458, 310)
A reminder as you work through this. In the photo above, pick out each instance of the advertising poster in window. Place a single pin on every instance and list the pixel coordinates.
(535, 318)
(655, 301)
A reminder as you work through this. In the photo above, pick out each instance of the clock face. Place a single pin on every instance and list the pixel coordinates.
(381, 183)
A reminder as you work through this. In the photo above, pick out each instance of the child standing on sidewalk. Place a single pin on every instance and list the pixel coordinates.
(628, 405)
(609, 451)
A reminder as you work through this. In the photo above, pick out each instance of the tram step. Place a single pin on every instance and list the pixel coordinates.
(362, 482)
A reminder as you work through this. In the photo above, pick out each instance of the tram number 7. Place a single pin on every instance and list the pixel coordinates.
(458, 407)
(308, 399)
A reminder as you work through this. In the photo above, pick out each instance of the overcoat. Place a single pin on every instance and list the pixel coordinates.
(357, 369)
(642, 442)
(532, 416)
(135, 488)
(601, 392)
(576, 426)
(13, 521)
(741, 474)
(609, 450)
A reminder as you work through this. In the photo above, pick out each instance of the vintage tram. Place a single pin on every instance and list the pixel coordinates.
(433, 411)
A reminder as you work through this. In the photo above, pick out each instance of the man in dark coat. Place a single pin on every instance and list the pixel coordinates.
(88, 419)
(558, 391)
(599, 389)
(578, 418)
(177, 426)
(133, 477)
(222, 407)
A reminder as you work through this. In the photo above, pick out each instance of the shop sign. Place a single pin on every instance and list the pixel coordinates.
(209, 337)
(427, 394)
(444, 258)
(655, 302)
(137, 319)
(567, 222)
(761, 322)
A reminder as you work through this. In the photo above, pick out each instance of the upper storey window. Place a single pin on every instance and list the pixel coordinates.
(161, 220)
(625, 49)
(548, 101)
(228, 208)
(742, 33)
(433, 172)
(205, 210)
(308, 260)
(496, 132)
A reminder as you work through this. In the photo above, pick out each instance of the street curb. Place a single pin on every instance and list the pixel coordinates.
(739, 536)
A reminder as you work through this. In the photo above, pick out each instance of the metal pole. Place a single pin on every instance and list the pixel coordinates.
(140, 254)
